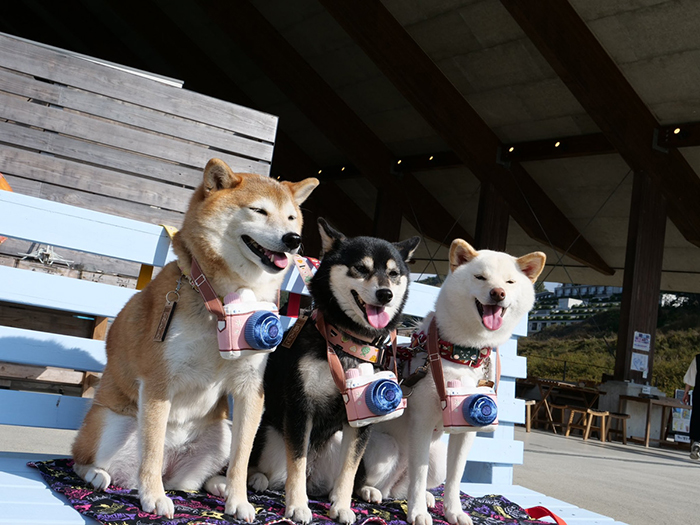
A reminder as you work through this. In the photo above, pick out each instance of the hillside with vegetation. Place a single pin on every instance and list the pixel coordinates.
(586, 350)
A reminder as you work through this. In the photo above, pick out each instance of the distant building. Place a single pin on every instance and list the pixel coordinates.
(571, 303)
(582, 290)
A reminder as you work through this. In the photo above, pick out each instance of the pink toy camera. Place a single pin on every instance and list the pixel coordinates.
(469, 409)
(251, 327)
(372, 397)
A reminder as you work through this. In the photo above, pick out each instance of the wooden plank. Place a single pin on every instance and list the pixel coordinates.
(112, 206)
(31, 347)
(62, 67)
(59, 224)
(33, 409)
(40, 373)
(133, 115)
(103, 156)
(62, 293)
(91, 179)
(576, 55)
(131, 139)
(40, 319)
(439, 102)
(327, 110)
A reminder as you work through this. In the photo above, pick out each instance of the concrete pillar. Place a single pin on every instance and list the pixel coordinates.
(388, 214)
(492, 219)
(642, 278)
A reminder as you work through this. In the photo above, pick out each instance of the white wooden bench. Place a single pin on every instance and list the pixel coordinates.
(25, 498)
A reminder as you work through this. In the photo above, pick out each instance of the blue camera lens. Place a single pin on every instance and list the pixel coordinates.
(479, 410)
(263, 330)
(383, 396)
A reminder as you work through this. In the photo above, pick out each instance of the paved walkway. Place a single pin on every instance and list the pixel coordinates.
(630, 483)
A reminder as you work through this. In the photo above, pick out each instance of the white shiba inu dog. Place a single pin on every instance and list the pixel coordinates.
(159, 418)
(478, 307)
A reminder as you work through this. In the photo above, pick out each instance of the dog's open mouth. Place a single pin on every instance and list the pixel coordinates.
(274, 260)
(376, 316)
(491, 315)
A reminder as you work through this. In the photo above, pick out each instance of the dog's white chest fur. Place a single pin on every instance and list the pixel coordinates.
(199, 375)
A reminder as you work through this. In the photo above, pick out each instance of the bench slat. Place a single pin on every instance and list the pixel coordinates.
(34, 409)
(62, 293)
(29, 347)
(84, 230)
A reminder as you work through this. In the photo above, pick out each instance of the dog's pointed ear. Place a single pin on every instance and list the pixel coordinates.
(461, 252)
(407, 247)
(329, 235)
(218, 176)
(532, 264)
(302, 189)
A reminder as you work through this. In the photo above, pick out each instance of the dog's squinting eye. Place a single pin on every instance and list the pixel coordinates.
(362, 270)
(259, 210)
(291, 217)
(480, 277)
(393, 274)
(511, 282)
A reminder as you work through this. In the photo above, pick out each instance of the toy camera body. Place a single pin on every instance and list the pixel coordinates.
(372, 396)
(469, 409)
(251, 326)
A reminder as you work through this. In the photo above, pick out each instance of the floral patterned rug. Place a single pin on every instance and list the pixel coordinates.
(116, 506)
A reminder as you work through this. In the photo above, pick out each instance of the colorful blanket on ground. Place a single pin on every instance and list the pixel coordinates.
(116, 506)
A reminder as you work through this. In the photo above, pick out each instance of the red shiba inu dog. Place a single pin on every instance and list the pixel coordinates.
(159, 418)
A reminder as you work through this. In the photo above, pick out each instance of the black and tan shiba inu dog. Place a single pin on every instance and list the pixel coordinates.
(359, 291)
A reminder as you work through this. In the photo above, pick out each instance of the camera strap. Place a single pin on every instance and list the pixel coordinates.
(334, 361)
(200, 283)
(435, 361)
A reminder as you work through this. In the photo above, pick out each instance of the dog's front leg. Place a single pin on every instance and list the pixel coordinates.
(457, 452)
(351, 449)
(297, 433)
(418, 463)
(247, 412)
(153, 413)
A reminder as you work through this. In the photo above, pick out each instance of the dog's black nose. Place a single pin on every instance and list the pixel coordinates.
(498, 294)
(291, 240)
(384, 295)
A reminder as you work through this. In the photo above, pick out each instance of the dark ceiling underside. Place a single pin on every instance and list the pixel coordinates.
(408, 109)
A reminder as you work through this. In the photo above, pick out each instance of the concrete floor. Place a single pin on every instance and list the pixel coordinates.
(630, 483)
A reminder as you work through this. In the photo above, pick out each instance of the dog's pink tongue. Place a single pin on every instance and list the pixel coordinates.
(492, 317)
(278, 259)
(377, 316)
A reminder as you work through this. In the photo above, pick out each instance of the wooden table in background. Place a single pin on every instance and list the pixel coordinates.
(562, 393)
(667, 403)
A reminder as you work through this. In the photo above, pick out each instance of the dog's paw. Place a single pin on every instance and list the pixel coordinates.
(458, 518)
(258, 482)
(420, 518)
(341, 514)
(159, 504)
(371, 494)
(429, 499)
(97, 477)
(242, 510)
(216, 485)
(300, 514)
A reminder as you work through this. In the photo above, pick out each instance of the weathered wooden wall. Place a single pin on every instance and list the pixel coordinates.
(115, 140)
